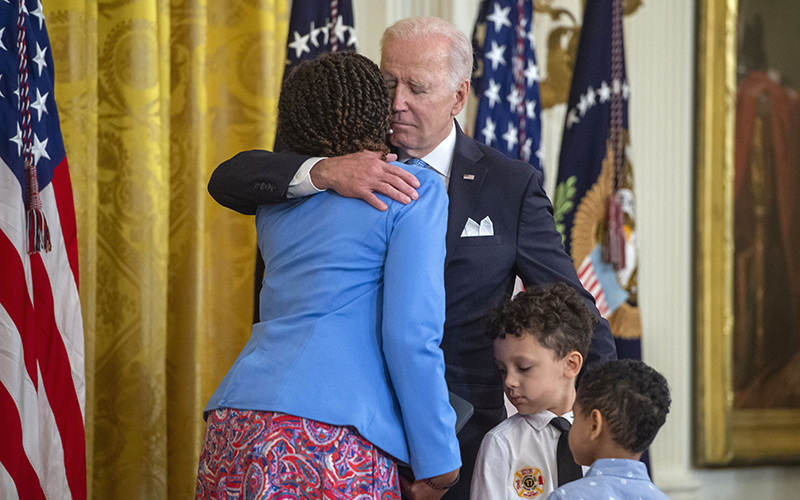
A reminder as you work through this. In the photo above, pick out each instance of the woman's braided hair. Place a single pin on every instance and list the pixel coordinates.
(334, 105)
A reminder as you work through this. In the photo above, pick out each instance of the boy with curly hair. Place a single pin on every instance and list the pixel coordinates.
(540, 340)
(618, 410)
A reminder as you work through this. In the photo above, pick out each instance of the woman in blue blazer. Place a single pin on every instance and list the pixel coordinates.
(343, 376)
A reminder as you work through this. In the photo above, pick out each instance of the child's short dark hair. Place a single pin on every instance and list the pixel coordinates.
(555, 315)
(632, 397)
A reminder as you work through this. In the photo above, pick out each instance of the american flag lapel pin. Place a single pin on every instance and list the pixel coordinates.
(469, 177)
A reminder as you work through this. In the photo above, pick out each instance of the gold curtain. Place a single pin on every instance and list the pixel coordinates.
(152, 95)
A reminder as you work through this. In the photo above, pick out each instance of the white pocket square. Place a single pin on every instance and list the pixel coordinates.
(472, 228)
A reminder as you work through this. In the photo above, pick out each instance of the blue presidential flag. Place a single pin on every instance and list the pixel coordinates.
(318, 26)
(506, 80)
(593, 203)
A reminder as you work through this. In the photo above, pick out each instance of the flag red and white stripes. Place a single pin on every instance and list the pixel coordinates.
(42, 378)
(592, 285)
(42, 382)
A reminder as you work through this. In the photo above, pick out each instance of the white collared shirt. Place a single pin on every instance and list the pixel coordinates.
(517, 459)
(440, 160)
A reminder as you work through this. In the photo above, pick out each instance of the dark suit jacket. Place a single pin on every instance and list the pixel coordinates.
(479, 271)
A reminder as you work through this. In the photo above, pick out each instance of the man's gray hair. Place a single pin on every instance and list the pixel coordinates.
(460, 50)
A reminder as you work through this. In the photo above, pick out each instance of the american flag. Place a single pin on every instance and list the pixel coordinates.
(506, 80)
(318, 26)
(42, 382)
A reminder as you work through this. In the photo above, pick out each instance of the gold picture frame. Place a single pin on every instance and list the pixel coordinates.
(723, 434)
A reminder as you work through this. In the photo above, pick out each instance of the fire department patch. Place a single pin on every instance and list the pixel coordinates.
(528, 482)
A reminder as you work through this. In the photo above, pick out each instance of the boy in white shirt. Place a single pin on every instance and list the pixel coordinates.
(540, 340)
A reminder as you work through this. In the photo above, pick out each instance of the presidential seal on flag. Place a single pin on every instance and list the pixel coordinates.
(614, 289)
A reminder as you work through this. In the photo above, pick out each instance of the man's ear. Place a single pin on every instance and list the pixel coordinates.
(572, 364)
(460, 98)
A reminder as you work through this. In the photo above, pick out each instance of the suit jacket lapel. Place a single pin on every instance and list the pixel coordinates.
(466, 179)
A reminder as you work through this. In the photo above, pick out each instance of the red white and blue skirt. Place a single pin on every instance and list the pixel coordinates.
(269, 455)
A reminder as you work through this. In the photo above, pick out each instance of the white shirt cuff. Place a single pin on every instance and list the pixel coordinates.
(301, 184)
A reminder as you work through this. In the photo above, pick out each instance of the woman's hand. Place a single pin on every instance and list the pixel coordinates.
(432, 488)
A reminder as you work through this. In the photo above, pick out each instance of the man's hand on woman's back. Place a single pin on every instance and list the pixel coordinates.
(361, 175)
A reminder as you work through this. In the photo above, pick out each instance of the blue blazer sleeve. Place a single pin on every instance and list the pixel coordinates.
(413, 322)
(541, 259)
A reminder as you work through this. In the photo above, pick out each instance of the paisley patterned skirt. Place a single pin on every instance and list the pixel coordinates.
(270, 455)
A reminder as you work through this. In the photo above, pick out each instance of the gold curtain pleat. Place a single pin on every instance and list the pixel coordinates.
(152, 95)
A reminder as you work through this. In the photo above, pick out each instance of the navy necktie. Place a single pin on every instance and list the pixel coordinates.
(568, 470)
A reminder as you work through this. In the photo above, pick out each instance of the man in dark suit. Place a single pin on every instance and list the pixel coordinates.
(500, 221)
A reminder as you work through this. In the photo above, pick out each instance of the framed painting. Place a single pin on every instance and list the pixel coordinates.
(747, 233)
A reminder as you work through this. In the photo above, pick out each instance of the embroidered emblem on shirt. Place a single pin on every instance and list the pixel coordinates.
(528, 482)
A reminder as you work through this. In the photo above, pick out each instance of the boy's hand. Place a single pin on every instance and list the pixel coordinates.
(362, 174)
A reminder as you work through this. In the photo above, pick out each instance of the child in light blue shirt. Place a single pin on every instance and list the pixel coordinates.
(618, 410)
